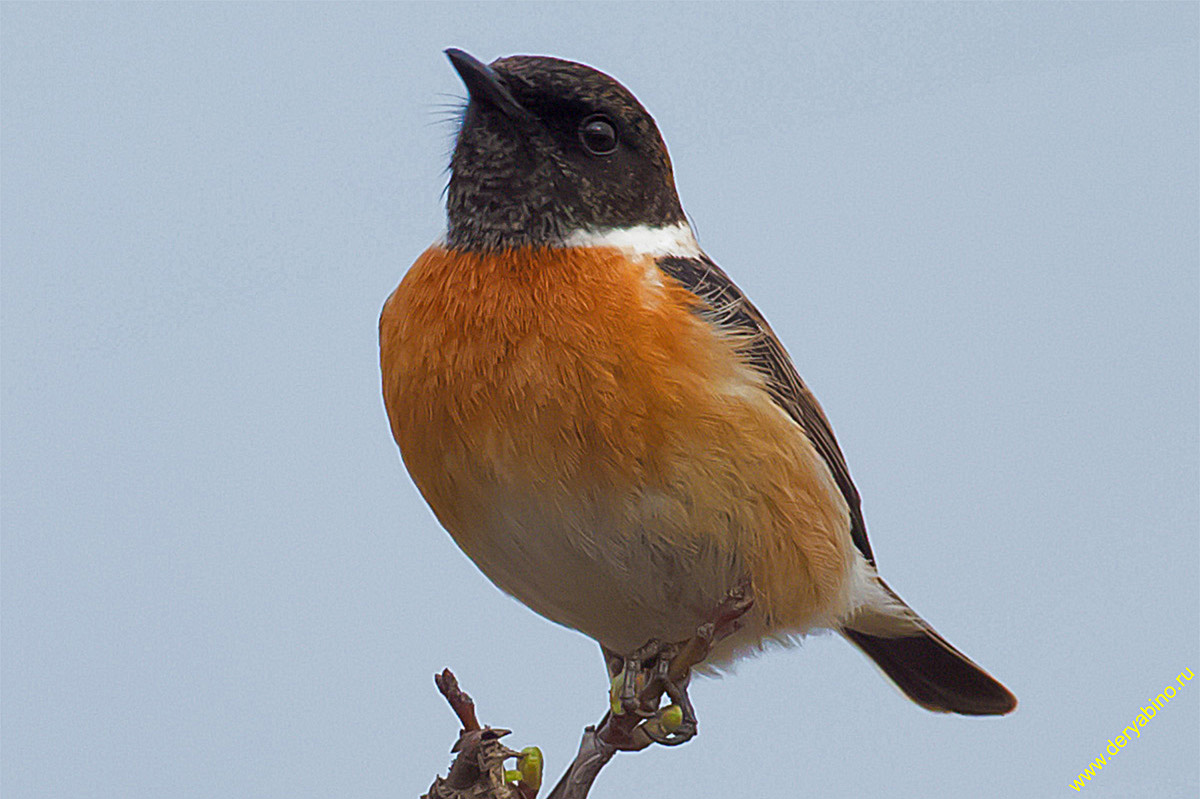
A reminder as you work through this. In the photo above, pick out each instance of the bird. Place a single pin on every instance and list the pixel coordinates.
(606, 424)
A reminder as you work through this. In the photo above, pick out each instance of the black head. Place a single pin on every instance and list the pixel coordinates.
(549, 147)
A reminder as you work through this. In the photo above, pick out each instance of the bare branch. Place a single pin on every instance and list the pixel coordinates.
(462, 704)
(478, 769)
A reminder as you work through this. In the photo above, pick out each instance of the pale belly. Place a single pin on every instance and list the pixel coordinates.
(622, 567)
(626, 559)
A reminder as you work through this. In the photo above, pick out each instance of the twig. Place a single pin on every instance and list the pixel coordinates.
(594, 754)
(478, 769)
(462, 704)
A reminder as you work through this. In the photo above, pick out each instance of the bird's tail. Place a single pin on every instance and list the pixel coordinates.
(924, 665)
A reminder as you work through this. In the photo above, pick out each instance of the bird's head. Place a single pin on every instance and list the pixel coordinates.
(548, 148)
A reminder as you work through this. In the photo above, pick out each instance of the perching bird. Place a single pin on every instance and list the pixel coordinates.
(604, 422)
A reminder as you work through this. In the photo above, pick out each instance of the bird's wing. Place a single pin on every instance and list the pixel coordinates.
(723, 304)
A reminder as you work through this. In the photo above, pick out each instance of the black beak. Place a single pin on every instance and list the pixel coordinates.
(483, 84)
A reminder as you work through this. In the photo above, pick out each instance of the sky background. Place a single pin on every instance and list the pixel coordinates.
(974, 227)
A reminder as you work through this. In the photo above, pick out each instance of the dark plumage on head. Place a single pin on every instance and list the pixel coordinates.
(548, 147)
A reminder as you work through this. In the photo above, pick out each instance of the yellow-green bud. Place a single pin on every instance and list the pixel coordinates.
(671, 718)
(614, 695)
(530, 764)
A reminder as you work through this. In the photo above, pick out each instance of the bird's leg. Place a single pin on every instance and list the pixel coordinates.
(675, 723)
(666, 669)
(630, 681)
(672, 727)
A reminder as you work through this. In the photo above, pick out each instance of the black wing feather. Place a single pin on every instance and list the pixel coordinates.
(723, 304)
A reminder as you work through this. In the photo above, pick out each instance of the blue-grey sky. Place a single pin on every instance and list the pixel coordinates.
(974, 226)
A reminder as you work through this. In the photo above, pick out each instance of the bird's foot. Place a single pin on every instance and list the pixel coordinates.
(633, 678)
(640, 682)
(657, 669)
(676, 723)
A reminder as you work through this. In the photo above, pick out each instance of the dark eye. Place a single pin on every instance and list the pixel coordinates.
(598, 135)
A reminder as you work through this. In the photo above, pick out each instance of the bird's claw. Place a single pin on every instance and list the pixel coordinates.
(676, 723)
(657, 669)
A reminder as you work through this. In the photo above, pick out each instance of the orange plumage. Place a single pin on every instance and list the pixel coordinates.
(601, 451)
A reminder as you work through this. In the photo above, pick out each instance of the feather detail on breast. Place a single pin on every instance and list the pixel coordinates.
(537, 359)
(599, 449)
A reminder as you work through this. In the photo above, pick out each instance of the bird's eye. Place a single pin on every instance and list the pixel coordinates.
(598, 135)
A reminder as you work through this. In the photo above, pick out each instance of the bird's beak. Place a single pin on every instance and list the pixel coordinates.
(484, 86)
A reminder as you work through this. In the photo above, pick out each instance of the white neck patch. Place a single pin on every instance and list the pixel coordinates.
(656, 242)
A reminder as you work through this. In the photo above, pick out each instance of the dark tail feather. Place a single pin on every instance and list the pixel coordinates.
(933, 673)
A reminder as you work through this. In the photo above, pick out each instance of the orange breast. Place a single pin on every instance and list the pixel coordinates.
(576, 363)
(598, 449)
